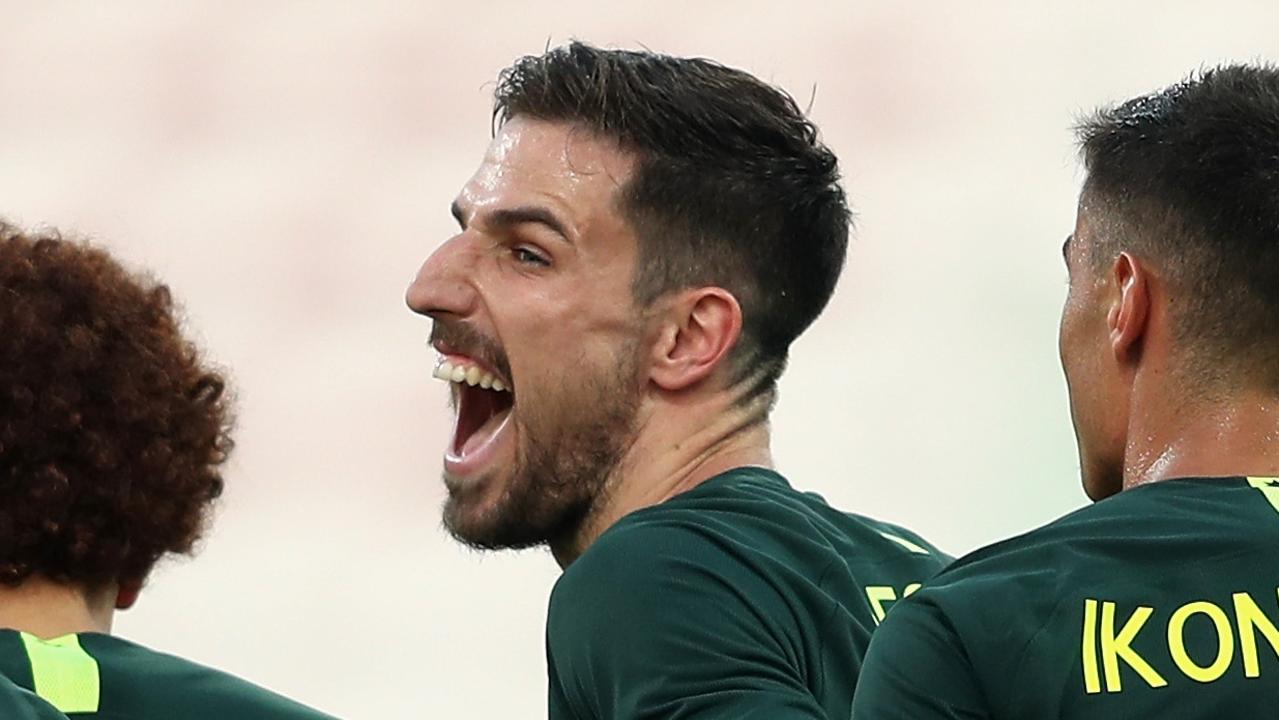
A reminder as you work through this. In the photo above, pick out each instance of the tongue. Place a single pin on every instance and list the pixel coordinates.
(480, 415)
(485, 433)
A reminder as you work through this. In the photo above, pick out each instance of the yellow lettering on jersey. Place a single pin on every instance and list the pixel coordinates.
(1251, 619)
(1269, 487)
(910, 589)
(1119, 647)
(1092, 680)
(1177, 644)
(878, 595)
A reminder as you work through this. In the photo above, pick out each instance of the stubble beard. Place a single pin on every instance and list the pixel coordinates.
(564, 460)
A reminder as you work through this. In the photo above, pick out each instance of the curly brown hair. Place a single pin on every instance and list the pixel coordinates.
(112, 431)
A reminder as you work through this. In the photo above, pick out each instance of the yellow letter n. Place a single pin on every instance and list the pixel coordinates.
(1252, 620)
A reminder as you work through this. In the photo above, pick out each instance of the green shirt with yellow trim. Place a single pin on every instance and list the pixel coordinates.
(19, 704)
(741, 598)
(1159, 602)
(92, 675)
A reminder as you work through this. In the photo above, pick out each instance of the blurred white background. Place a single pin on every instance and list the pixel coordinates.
(287, 166)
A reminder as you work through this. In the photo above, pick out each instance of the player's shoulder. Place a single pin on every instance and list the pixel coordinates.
(637, 550)
(621, 590)
(900, 538)
(1028, 549)
(650, 558)
(158, 679)
(704, 524)
(17, 703)
(759, 504)
(738, 526)
(999, 595)
(1041, 562)
(1105, 528)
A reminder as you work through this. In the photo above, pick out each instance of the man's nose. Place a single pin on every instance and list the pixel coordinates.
(444, 283)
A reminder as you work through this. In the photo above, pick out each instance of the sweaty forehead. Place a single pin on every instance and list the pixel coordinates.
(531, 160)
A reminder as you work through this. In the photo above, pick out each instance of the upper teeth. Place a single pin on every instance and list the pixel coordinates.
(470, 374)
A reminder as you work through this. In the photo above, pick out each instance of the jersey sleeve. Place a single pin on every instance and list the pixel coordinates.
(18, 704)
(654, 623)
(917, 669)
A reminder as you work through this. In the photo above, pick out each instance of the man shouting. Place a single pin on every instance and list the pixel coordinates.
(644, 239)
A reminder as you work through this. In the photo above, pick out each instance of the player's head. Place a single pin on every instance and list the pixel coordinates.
(642, 227)
(1174, 262)
(112, 430)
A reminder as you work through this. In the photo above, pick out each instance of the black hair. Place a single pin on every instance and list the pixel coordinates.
(732, 186)
(1189, 178)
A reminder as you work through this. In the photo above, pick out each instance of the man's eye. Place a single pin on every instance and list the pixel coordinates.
(524, 256)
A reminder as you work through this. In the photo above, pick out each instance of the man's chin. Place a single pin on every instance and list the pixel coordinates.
(486, 528)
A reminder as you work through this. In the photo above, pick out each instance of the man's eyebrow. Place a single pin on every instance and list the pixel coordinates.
(509, 217)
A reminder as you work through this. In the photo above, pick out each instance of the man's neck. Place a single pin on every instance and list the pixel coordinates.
(47, 609)
(671, 456)
(1238, 436)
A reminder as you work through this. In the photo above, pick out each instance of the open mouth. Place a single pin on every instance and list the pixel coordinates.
(484, 404)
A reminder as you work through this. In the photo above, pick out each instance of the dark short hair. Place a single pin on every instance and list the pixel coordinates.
(112, 431)
(1189, 178)
(732, 186)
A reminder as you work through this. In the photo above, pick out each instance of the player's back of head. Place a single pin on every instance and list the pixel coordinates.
(112, 429)
(1170, 330)
(1188, 178)
(113, 433)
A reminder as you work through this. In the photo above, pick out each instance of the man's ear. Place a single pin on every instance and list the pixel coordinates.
(127, 594)
(1129, 315)
(698, 329)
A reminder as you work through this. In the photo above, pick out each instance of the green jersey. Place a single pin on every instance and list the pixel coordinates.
(741, 598)
(91, 675)
(19, 704)
(1159, 602)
